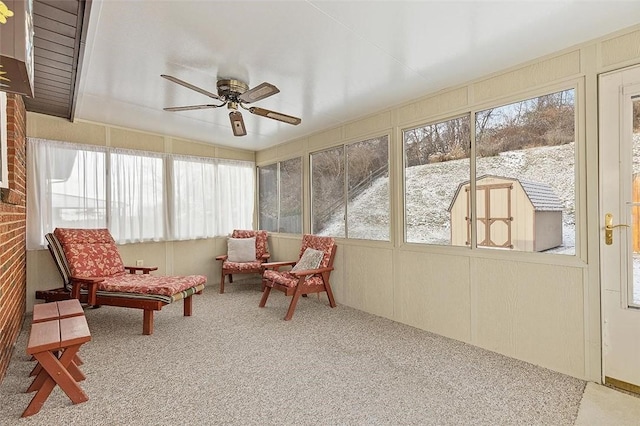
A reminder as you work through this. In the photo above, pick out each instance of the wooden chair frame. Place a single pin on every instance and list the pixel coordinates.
(231, 271)
(302, 288)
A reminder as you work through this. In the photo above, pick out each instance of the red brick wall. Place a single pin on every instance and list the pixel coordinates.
(13, 261)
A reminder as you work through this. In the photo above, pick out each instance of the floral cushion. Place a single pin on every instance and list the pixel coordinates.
(286, 278)
(254, 266)
(151, 284)
(90, 252)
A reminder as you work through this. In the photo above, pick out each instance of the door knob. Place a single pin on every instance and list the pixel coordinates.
(608, 228)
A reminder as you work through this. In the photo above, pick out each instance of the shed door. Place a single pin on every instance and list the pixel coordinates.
(493, 213)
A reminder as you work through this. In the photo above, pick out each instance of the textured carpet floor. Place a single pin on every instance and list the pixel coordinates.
(234, 363)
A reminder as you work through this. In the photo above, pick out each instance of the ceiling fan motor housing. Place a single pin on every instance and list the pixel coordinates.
(231, 89)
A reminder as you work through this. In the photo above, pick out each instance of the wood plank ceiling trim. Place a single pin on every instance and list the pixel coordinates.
(59, 35)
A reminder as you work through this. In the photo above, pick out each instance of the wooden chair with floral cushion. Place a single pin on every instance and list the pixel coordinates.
(247, 250)
(309, 274)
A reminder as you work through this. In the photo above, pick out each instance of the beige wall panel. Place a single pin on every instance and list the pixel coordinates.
(434, 105)
(197, 257)
(542, 72)
(325, 139)
(152, 254)
(267, 156)
(131, 139)
(42, 274)
(197, 149)
(284, 248)
(432, 293)
(60, 129)
(620, 49)
(291, 149)
(368, 125)
(533, 312)
(369, 272)
(235, 154)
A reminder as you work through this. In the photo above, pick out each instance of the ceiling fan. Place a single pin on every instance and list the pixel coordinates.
(235, 93)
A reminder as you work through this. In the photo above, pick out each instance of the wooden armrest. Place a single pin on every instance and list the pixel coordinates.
(222, 257)
(277, 265)
(311, 271)
(92, 287)
(144, 269)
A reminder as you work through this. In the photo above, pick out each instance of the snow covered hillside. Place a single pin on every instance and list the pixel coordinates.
(430, 189)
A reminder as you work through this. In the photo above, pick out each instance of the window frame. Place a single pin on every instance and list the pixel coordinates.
(579, 255)
(278, 185)
(345, 184)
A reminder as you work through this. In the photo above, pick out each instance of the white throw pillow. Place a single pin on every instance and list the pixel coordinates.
(241, 249)
(310, 260)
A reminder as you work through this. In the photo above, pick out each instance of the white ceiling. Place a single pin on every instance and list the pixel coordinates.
(333, 61)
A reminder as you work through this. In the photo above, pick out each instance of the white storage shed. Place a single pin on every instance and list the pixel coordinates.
(511, 214)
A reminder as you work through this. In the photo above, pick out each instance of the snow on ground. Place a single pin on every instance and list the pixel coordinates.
(431, 188)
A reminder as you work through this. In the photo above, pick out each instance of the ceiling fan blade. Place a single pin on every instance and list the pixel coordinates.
(190, 86)
(191, 107)
(261, 91)
(275, 115)
(237, 123)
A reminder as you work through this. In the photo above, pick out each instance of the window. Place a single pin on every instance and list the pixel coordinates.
(280, 196)
(66, 189)
(524, 185)
(350, 190)
(139, 196)
(194, 200)
(525, 175)
(436, 159)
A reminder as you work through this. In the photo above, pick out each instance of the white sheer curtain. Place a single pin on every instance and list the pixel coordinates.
(66, 188)
(235, 195)
(194, 207)
(143, 196)
(137, 196)
(211, 196)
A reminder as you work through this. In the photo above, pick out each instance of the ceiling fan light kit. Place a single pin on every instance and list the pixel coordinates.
(235, 93)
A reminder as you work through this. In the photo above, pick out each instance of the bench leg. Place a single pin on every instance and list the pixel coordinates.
(55, 372)
(76, 360)
(188, 306)
(147, 322)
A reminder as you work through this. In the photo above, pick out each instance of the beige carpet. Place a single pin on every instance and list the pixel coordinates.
(233, 363)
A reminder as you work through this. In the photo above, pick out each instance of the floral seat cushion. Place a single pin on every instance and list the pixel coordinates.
(240, 267)
(286, 278)
(150, 284)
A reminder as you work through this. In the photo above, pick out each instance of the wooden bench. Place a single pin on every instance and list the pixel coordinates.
(52, 311)
(56, 310)
(47, 339)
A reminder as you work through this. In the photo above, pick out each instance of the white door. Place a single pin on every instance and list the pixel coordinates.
(619, 149)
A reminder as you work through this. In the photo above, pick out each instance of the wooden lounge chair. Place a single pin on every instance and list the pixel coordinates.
(92, 271)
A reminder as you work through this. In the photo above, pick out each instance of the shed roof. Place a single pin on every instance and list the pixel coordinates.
(541, 195)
